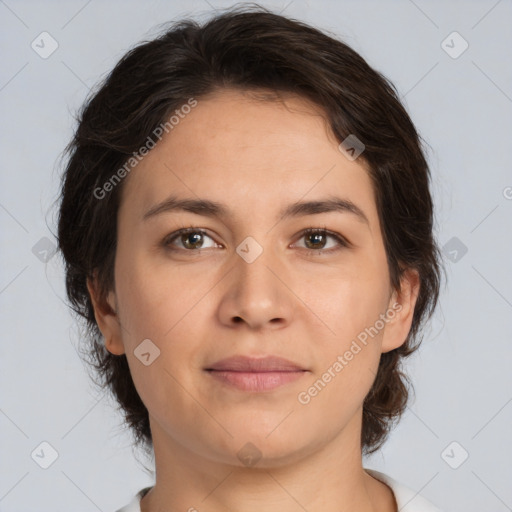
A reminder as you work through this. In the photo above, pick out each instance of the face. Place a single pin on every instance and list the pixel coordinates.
(247, 279)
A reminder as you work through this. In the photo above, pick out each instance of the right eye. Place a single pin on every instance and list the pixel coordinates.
(191, 239)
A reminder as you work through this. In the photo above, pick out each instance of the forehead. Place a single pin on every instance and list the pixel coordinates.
(250, 152)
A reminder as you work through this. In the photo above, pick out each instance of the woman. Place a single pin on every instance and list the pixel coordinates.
(247, 228)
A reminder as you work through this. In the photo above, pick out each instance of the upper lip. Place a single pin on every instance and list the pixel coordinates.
(253, 364)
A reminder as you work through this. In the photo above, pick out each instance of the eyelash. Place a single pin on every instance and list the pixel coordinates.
(343, 243)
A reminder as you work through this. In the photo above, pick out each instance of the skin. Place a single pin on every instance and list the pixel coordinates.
(201, 306)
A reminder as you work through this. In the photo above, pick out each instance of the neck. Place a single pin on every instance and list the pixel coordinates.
(328, 479)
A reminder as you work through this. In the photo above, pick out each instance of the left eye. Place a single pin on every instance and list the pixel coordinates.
(316, 240)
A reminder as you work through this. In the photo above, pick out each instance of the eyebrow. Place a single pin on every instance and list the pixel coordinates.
(209, 208)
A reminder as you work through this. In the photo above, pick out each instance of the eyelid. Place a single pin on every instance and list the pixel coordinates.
(340, 239)
(183, 231)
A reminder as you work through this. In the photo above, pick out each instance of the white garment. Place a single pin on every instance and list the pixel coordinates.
(407, 500)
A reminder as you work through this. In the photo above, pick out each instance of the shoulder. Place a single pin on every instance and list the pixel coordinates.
(407, 500)
(134, 505)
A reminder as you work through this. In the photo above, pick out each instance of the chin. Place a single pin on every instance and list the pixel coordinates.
(256, 448)
(266, 455)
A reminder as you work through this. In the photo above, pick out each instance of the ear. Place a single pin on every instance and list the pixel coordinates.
(105, 312)
(401, 310)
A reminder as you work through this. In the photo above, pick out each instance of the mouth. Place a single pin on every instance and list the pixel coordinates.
(255, 374)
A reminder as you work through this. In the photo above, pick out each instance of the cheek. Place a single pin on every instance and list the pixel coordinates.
(346, 361)
(159, 310)
(154, 299)
(163, 307)
(350, 301)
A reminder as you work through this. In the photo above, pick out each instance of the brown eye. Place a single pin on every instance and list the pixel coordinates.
(191, 240)
(188, 239)
(316, 240)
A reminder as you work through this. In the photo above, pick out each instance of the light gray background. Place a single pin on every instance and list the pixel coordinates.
(461, 106)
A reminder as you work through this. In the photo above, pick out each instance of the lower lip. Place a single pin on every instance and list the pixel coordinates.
(255, 381)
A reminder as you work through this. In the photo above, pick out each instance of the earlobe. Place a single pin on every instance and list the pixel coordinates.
(105, 312)
(402, 303)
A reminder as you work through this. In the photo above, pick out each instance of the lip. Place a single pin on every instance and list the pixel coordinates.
(255, 374)
(254, 364)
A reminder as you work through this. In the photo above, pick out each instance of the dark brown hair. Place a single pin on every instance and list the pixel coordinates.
(249, 49)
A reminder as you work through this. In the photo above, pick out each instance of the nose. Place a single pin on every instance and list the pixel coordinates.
(257, 293)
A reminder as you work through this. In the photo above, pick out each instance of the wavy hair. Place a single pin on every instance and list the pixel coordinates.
(250, 49)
